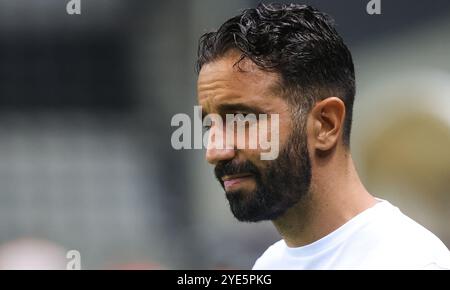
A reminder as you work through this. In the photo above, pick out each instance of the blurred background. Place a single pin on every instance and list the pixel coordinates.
(86, 101)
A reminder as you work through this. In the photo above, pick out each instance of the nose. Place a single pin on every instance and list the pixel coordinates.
(217, 149)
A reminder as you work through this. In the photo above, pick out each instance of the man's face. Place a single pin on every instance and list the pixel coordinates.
(256, 189)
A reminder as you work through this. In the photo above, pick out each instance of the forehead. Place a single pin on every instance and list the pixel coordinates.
(223, 81)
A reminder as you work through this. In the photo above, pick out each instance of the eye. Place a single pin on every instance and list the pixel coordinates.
(207, 127)
(207, 123)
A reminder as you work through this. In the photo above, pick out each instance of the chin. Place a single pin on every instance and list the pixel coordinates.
(246, 208)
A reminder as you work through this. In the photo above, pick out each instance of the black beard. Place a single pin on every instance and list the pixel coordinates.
(279, 186)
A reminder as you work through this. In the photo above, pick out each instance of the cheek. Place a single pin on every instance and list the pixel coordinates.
(309, 133)
(270, 136)
(279, 130)
(285, 129)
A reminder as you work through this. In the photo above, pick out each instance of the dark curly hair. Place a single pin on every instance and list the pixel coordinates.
(298, 42)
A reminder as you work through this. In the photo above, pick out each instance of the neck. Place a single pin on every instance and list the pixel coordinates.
(336, 196)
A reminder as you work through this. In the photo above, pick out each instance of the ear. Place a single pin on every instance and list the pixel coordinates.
(327, 118)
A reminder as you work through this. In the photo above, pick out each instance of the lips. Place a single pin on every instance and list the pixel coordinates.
(231, 180)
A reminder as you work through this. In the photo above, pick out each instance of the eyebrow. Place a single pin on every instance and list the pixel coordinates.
(223, 109)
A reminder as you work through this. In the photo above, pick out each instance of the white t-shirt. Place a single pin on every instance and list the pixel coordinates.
(381, 237)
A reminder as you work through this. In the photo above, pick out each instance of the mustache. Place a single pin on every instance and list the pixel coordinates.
(235, 167)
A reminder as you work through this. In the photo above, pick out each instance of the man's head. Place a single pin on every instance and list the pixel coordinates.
(276, 59)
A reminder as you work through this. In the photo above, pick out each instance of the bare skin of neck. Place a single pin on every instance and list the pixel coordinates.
(336, 196)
